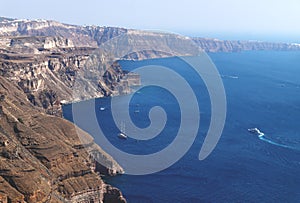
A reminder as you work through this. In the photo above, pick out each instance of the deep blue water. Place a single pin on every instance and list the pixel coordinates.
(263, 91)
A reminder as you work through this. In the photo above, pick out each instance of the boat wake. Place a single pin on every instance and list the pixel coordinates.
(262, 137)
(230, 76)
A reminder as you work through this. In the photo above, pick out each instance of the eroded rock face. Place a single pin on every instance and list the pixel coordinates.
(41, 157)
(81, 36)
(48, 76)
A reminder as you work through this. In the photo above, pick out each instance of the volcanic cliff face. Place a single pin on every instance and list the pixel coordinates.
(41, 157)
(46, 68)
(56, 63)
(215, 45)
(82, 36)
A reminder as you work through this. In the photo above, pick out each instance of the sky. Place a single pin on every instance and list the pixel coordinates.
(226, 19)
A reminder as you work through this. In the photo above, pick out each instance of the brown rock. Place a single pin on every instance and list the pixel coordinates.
(41, 160)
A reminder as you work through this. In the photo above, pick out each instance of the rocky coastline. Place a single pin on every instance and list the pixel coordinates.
(42, 158)
(41, 62)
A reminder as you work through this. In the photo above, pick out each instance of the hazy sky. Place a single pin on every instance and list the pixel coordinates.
(255, 19)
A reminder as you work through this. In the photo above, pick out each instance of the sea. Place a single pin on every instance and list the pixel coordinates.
(262, 91)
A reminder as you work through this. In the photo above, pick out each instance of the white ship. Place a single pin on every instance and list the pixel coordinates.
(256, 131)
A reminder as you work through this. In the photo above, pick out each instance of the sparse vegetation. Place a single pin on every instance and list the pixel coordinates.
(21, 120)
(2, 97)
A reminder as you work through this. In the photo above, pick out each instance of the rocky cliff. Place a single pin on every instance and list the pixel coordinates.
(82, 36)
(215, 45)
(48, 59)
(46, 67)
(46, 63)
(95, 36)
(41, 157)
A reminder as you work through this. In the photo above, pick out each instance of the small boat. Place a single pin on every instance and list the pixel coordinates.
(102, 108)
(255, 131)
(137, 111)
(122, 134)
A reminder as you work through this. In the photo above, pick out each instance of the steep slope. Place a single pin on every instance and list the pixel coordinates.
(41, 159)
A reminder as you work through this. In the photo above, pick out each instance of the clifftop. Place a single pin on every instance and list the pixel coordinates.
(82, 36)
(95, 36)
(215, 45)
